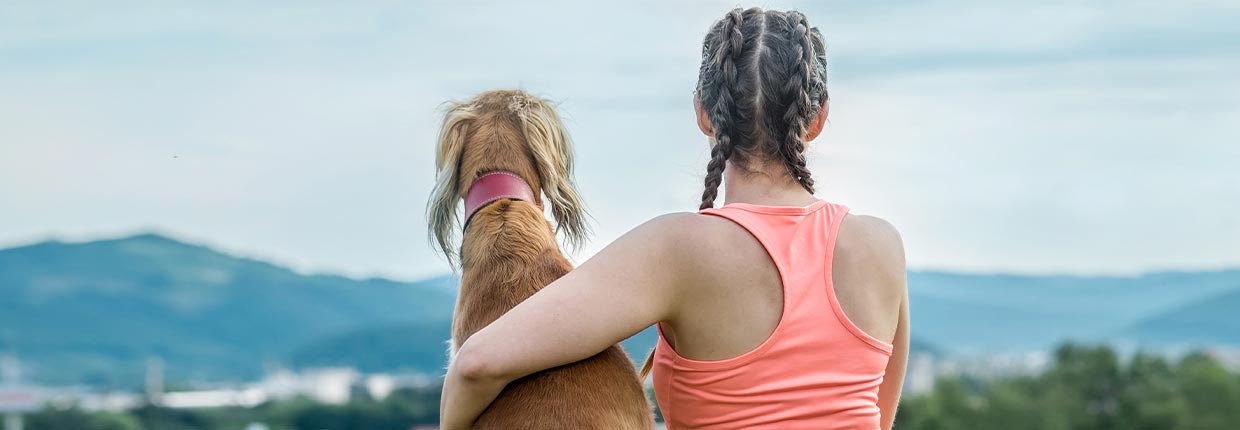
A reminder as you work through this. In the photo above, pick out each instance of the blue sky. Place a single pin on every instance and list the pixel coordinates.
(1077, 137)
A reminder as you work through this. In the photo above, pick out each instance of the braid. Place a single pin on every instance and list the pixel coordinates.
(724, 76)
(801, 107)
(761, 83)
(714, 173)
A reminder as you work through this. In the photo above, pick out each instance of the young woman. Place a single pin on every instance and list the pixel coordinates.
(777, 310)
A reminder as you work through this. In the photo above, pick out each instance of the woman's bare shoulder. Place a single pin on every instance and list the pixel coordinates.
(683, 239)
(683, 228)
(874, 244)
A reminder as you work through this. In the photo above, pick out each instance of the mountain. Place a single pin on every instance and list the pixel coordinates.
(1210, 321)
(969, 313)
(408, 347)
(95, 312)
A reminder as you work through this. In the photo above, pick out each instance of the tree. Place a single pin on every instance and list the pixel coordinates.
(1210, 393)
(76, 419)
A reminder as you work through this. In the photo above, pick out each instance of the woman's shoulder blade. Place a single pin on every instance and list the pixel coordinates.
(872, 243)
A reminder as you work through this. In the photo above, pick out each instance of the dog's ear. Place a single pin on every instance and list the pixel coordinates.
(441, 210)
(553, 156)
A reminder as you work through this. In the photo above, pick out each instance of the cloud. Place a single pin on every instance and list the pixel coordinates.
(1030, 136)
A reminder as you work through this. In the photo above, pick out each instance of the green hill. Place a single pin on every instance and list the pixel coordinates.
(95, 312)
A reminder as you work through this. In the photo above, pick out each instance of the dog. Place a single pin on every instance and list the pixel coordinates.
(502, 152)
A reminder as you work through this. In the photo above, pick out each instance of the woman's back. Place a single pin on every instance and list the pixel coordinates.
(765, 338)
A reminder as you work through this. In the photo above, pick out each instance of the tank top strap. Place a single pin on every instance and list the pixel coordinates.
(799, 240)
(834, 216)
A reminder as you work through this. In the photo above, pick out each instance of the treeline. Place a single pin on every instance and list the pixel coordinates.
(1085, 388)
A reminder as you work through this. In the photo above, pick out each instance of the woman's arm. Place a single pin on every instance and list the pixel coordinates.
(626, 287)
(895, 277)
(893, 379)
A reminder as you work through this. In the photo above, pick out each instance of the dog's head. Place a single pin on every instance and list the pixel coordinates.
(504, 130)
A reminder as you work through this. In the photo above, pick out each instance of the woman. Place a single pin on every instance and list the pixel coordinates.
(777, 310)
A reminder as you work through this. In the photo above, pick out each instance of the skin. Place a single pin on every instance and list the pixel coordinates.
(695, 274)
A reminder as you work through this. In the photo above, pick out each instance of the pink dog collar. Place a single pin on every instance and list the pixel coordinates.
(492, 186)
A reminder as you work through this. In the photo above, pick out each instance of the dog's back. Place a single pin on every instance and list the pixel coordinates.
(509, 253)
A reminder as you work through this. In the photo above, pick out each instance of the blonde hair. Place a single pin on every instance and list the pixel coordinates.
(551, 150)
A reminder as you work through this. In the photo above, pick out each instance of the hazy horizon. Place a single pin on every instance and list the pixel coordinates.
(1018, 137)
(449, 272)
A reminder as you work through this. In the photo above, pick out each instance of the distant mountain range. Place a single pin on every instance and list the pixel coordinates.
(94, 312)
(1211, 320)
(988, 313)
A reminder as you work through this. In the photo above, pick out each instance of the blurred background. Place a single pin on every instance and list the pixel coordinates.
(212, 213)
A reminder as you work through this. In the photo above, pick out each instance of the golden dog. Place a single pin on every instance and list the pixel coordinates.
(509, 252)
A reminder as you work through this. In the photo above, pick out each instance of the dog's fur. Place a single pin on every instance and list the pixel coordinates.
(509, 252)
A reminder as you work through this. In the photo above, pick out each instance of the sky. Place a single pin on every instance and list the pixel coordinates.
(1073, 137)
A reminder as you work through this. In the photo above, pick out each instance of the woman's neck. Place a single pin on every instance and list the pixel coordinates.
(762, 188)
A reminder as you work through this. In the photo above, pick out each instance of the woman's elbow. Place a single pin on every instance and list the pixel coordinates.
(474, 364)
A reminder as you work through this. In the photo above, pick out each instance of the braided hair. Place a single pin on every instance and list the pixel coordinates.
(761, 82)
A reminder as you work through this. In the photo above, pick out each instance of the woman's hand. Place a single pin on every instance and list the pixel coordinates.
(626, 287)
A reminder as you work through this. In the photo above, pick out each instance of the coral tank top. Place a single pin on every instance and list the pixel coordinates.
(817, 370)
